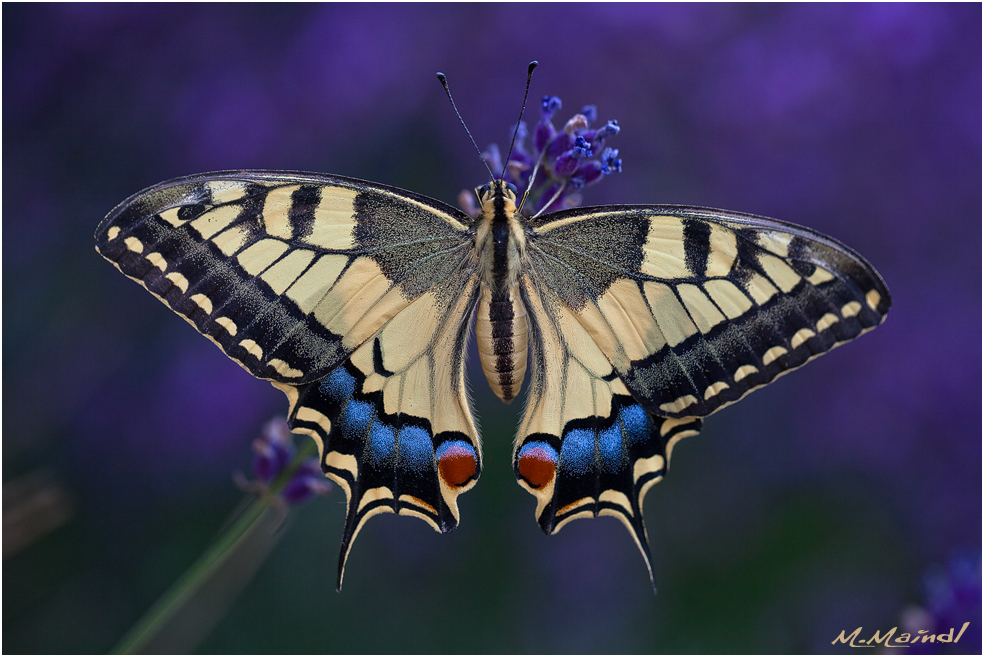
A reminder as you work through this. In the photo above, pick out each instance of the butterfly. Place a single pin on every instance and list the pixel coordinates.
(630, 323)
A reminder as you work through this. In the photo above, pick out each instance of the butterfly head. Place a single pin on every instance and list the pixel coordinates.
(497, 199)
(496, 189)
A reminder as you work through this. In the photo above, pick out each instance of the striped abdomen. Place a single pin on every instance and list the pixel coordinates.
(502, 330)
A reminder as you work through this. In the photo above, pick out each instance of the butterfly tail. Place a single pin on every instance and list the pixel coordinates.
(385, 462)
(648, 471)
(391, 484)
(601, 467)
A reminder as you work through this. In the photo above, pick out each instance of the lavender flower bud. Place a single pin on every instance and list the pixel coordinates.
(577, 122)
(548, 107)
(611, 162)
(567, 163)
(609, 130)
(589, 172)
(544, 130)
(306, 482)
(560, 144)
(274, 450)
(542, 135)
(582, 147)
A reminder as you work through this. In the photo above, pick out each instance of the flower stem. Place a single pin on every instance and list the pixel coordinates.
(183, 590)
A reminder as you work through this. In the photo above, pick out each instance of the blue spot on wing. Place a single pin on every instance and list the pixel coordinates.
(610, 443)
(455, 445)
(416, 449)
(577, 451)
(587, 450)
(637, 422)
(339, 385)
(546, 448)
(382, 442)
(356, 419)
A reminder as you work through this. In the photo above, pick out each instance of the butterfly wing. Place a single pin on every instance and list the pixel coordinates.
(287, 272)
(393, 421)
(695, 307)
(646, 318)
(351, 297)
(585, 446)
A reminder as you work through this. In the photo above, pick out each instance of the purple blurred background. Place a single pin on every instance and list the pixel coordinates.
(817, 505)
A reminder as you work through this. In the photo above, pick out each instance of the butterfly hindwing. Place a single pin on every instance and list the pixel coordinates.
(393, 423)
(695, 308)
(585, 447)
(287, 272)
(643, 319)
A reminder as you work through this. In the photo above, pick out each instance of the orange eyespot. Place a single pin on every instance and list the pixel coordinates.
(457, 463)
(537, 464)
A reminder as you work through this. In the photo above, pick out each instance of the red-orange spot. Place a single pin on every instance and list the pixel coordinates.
(537, 466)
(457, 465)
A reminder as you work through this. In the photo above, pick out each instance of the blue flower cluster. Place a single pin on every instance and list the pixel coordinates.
(564, 161)
(274, 452)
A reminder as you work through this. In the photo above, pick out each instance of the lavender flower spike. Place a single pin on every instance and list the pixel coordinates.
(274, 453)
(565, 157)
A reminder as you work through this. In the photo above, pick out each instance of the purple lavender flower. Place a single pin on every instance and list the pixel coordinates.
(562, 159)
(273, 450)
(306, 482)
(274, 453)
(611, 162)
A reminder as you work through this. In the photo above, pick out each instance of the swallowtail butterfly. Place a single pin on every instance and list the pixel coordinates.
(357, 300)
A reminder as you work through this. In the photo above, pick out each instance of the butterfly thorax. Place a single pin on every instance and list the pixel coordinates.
(500, 247)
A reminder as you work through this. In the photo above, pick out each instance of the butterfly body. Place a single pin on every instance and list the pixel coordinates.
(501, 325)
(629, 324)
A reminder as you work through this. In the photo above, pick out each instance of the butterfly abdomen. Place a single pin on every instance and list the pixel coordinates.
(502, 331)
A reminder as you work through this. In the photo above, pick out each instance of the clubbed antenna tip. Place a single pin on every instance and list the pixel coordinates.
(529, 76)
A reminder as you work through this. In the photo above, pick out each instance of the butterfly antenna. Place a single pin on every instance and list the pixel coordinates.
(444, 83)
(529, 76)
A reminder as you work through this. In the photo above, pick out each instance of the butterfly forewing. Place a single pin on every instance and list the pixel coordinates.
(287, 272)
(695, 307)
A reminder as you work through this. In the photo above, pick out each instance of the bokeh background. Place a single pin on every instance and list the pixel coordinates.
(833, 499)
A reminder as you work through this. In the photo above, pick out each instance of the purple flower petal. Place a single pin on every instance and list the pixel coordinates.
(548, 107)
(542, 135)
(307, 481)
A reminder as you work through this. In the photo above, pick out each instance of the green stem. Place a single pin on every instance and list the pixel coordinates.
(184, 589)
